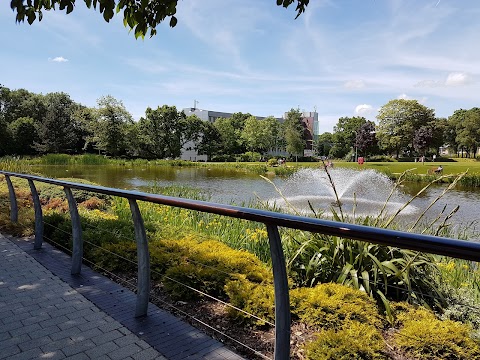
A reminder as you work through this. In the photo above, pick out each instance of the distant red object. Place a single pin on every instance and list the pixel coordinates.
(361, 160)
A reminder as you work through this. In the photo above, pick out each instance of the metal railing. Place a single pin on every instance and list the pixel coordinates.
(467, 250)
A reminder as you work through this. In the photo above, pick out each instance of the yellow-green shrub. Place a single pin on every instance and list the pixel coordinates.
(353, 341)
(207, 266)
(109, 260)
(205, 279)
(218, 255)
(425, 337)
(330, 305)
(254, 298)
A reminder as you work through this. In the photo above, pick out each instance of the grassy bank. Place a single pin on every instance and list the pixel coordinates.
(418, 172)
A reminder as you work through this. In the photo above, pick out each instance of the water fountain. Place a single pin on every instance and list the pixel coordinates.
(366, 190)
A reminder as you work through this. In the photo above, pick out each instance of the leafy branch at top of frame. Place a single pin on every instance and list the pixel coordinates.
(141, 16)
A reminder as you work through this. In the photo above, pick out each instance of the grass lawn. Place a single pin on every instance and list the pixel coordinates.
(453, 167)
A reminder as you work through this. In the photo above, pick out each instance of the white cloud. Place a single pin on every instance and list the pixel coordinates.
(453, 79)
(457, 79)
(363, 109)
(354, 84)
(58, 59)
(404, 97)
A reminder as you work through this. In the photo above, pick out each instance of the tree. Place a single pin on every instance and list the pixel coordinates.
(160, 132)
(210, 143)
(294, 132)
(56, 133)
(398, 121)
(84, 123)
(468, 130)
(324, 144)
(260, 135)
(15, 104)
(140, 16)
(344, 135)
(423, 139)
(111, 126)
(230, 130)
(365, 139)
(23, 134)
(272, 134)
(454, 123)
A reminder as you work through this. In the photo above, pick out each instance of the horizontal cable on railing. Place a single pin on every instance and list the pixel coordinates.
(163, 252)
(189, 287)
(388, 286)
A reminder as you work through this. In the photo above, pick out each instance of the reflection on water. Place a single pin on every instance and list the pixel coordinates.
(233, 186)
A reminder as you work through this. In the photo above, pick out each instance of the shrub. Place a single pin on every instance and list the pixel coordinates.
(110, 260)
(93, 203)
(353, 341)
(250, 156)
(425, 337)
(215, 254)
(207, 280)
(207, 266)
(272, 162)
(254, 298)
(330, 305)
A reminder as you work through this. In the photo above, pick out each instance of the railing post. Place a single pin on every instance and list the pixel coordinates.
(282, 298)
(77, 246)
(13, 200)
(143, 261)
(38, 216)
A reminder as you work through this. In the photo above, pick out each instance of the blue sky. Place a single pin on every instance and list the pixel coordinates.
(342, 57)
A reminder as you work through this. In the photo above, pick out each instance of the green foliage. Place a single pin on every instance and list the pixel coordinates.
(250, 156)
(330, 305)
(55, 159)
(399, 119)
(344, 135)
(427, 338)
(207, 266)
(207, 280)
(141, 17)
(112, 256)
(160, 132)
(272, 162)
(294, 136)
(353, 341)
(253, 298)
(56, 129)
(112, 130)
(24, 135)
(382, 272)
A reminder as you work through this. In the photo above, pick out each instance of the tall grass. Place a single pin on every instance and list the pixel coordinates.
(55, 159)
(14, 164)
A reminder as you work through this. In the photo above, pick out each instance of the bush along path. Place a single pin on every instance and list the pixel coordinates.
(346, 312)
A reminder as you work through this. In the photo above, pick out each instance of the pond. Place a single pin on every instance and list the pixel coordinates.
(360, 192)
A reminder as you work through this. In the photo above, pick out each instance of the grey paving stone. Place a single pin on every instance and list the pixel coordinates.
(125, 351)
(99, 350)
(147, 354)
(63, 322)
(7, 352)
(76, 348)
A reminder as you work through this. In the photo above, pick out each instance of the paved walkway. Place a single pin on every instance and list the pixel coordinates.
(46, 313)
